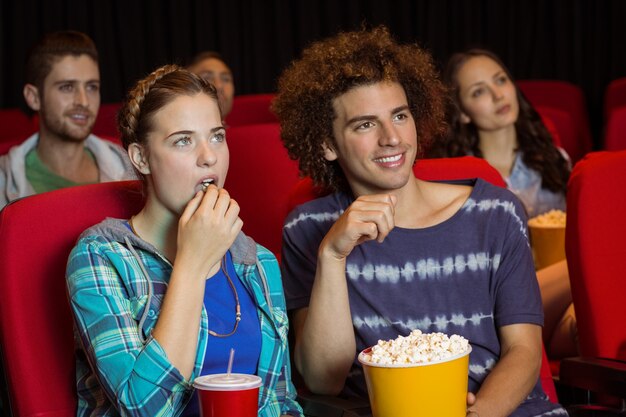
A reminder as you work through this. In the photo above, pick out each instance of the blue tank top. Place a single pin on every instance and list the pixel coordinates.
(219, 302)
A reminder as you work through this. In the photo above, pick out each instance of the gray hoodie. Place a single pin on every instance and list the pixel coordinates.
(112, 160)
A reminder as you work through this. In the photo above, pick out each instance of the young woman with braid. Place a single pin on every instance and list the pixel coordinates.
(162, 297)
(491, 119)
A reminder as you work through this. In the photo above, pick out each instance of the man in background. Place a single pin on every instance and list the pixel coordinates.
(212, 67)
(63, 87)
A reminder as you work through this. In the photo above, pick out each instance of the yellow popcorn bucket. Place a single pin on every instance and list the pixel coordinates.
(548, 244)
(418, 390)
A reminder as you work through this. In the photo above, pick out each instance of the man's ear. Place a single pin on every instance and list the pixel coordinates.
(329, 151)
(138, 157)
(32, 97)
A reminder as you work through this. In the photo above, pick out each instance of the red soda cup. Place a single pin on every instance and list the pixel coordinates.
(228, 395)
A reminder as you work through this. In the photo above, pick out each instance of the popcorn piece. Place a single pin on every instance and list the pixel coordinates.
(417, 347)
(550, 218)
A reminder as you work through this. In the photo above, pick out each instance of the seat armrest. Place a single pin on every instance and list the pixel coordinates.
(598, 375)
(329, 406)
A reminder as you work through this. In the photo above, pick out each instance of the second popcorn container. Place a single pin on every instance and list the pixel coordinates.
(436, 388)
(547, 238)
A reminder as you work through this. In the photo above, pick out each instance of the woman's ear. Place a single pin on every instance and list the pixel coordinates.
(138, 157)
(465, 119)
(329, 151)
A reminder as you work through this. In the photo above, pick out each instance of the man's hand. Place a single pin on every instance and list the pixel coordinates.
(369, 217)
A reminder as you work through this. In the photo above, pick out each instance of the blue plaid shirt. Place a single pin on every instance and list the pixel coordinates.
(121, 369)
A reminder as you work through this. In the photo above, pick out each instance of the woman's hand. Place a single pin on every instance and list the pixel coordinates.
(207, 229)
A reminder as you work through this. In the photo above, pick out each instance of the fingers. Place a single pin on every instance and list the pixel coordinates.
(367, 218)
(375, 216)
(211, 195)
(192, 206)
(218, 203)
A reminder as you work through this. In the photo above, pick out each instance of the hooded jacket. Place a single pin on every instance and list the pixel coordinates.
(116, 284)
(112, 160)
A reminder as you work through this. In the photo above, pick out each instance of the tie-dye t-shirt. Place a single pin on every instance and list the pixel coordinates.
(468, 275)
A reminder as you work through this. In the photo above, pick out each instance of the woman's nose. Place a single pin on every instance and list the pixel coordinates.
(206, 155)
(497, 93)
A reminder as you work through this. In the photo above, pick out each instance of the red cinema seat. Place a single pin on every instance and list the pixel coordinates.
(106, 122)
(251, 109)
(614, 96)
(566, 135)
(36, 337)
(615, 130)
(259, 178)
(15, 124)
(7, 144)
(569, 98)
(596, 249)
(551, 126)
(595, 245)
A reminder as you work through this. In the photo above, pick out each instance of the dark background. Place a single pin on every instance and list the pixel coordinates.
(581, 41)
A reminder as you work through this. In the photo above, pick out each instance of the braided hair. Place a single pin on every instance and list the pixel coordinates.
(149, 95)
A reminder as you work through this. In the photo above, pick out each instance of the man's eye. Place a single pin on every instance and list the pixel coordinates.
(208, 76)
(365, 125)
(401, 116)
(66, 87)
(93, 87)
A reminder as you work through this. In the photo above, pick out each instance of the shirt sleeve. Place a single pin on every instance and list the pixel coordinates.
(132, 368)
(299, 260)
(518, 299)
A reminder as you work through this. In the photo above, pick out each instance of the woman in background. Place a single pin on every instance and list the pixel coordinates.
(162, 297)
(490, 118)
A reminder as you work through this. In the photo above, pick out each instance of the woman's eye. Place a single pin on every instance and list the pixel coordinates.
(477, 92)
(218, 137)
(184, 141)
(502, 80)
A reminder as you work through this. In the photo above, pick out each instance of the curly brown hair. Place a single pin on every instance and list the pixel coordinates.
(330, 68)
(535, 142)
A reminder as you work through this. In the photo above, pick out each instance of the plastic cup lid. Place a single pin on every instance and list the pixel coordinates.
(225, 382)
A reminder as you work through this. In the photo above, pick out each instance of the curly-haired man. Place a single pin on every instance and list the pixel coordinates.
(387, 252)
